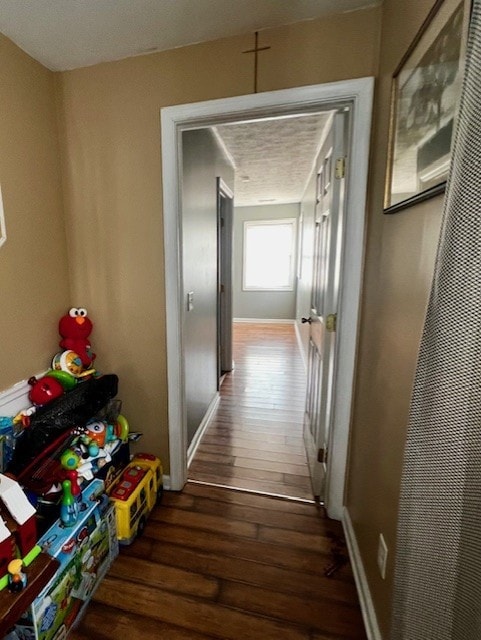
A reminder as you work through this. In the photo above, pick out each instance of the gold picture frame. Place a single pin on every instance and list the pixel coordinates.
(425, 90)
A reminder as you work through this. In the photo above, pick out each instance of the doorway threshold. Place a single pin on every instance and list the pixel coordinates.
(277, 496)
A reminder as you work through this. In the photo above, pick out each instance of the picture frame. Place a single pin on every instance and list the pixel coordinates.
(424, 99)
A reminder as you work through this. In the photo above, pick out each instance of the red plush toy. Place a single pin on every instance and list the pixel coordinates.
(75, 328)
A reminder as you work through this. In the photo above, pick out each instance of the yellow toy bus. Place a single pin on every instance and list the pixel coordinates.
(134, 494)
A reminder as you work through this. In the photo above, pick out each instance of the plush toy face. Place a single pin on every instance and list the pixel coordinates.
(75, 324)
(97, 431)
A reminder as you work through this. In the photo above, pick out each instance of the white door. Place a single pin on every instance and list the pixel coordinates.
(328, 236)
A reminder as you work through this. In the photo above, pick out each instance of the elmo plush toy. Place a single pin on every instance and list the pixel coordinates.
(75, 328)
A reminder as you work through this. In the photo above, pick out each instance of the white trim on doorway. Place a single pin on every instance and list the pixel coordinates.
(356, 95)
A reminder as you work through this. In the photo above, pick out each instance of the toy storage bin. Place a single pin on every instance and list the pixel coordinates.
(85, 553)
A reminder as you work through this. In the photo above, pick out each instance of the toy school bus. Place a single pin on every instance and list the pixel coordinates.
(134, 494)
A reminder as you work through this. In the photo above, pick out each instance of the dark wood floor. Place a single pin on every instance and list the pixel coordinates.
(218, 563)
(254, 440)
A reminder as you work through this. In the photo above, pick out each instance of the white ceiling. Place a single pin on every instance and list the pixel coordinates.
(273, 158)
(276, 155)
(67, 34)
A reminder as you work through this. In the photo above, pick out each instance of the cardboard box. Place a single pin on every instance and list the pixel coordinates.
(85, 552)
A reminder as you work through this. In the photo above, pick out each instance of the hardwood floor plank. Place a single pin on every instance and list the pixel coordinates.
(289, 538)
(104, 622)
(331, 618)
(179, 580)
(246, 430)
(261, 444)
(181, 500)
(311, 560)
(254, 435)
(205, 522)
(282, 467)
(211, 618)
(229, 472)
(282, 424)
(247, 572)
(243, 452)
(259, 515)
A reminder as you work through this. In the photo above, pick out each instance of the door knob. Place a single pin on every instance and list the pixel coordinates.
(304, 320)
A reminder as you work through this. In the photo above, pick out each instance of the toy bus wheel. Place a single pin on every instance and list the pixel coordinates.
(141, 526)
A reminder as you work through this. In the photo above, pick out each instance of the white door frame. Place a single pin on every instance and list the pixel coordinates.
(358, 94)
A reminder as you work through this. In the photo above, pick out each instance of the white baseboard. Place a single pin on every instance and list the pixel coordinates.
(265, 320)
(15, 399)
(367, 606)
(202, 427)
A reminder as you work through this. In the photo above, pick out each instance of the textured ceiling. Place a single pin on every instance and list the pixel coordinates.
(273, 158)
(66, 34)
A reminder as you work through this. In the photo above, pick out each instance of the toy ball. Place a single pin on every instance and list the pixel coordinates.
(44, 390)
(75, 328)
(68, 361)
(69, 459)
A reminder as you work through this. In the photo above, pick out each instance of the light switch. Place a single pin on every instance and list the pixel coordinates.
(190, 301)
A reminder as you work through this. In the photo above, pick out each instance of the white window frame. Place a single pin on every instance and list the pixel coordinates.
(277, 221)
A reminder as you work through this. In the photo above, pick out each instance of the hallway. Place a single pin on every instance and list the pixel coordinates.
(254, 440)
(216, 563)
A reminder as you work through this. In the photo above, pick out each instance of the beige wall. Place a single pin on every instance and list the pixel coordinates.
(34, 290)
(110, 139)
(400, 261)
(110, 132)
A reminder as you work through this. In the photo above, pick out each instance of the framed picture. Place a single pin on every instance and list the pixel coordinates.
(425, 92)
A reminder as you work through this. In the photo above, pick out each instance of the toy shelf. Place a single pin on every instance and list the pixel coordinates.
(12, 605)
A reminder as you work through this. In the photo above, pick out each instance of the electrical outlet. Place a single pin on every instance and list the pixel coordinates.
(382, 556)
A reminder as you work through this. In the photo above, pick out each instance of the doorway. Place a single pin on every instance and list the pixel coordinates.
(355, 95)
(225, 214)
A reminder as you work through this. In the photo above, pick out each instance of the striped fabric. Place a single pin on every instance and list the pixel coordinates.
(437, 592)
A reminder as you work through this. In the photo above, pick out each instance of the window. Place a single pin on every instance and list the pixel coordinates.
(269, 255)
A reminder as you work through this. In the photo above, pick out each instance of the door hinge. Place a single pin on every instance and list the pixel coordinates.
(340, 171)
(322, 455)
(331, 322)
(221, 288)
